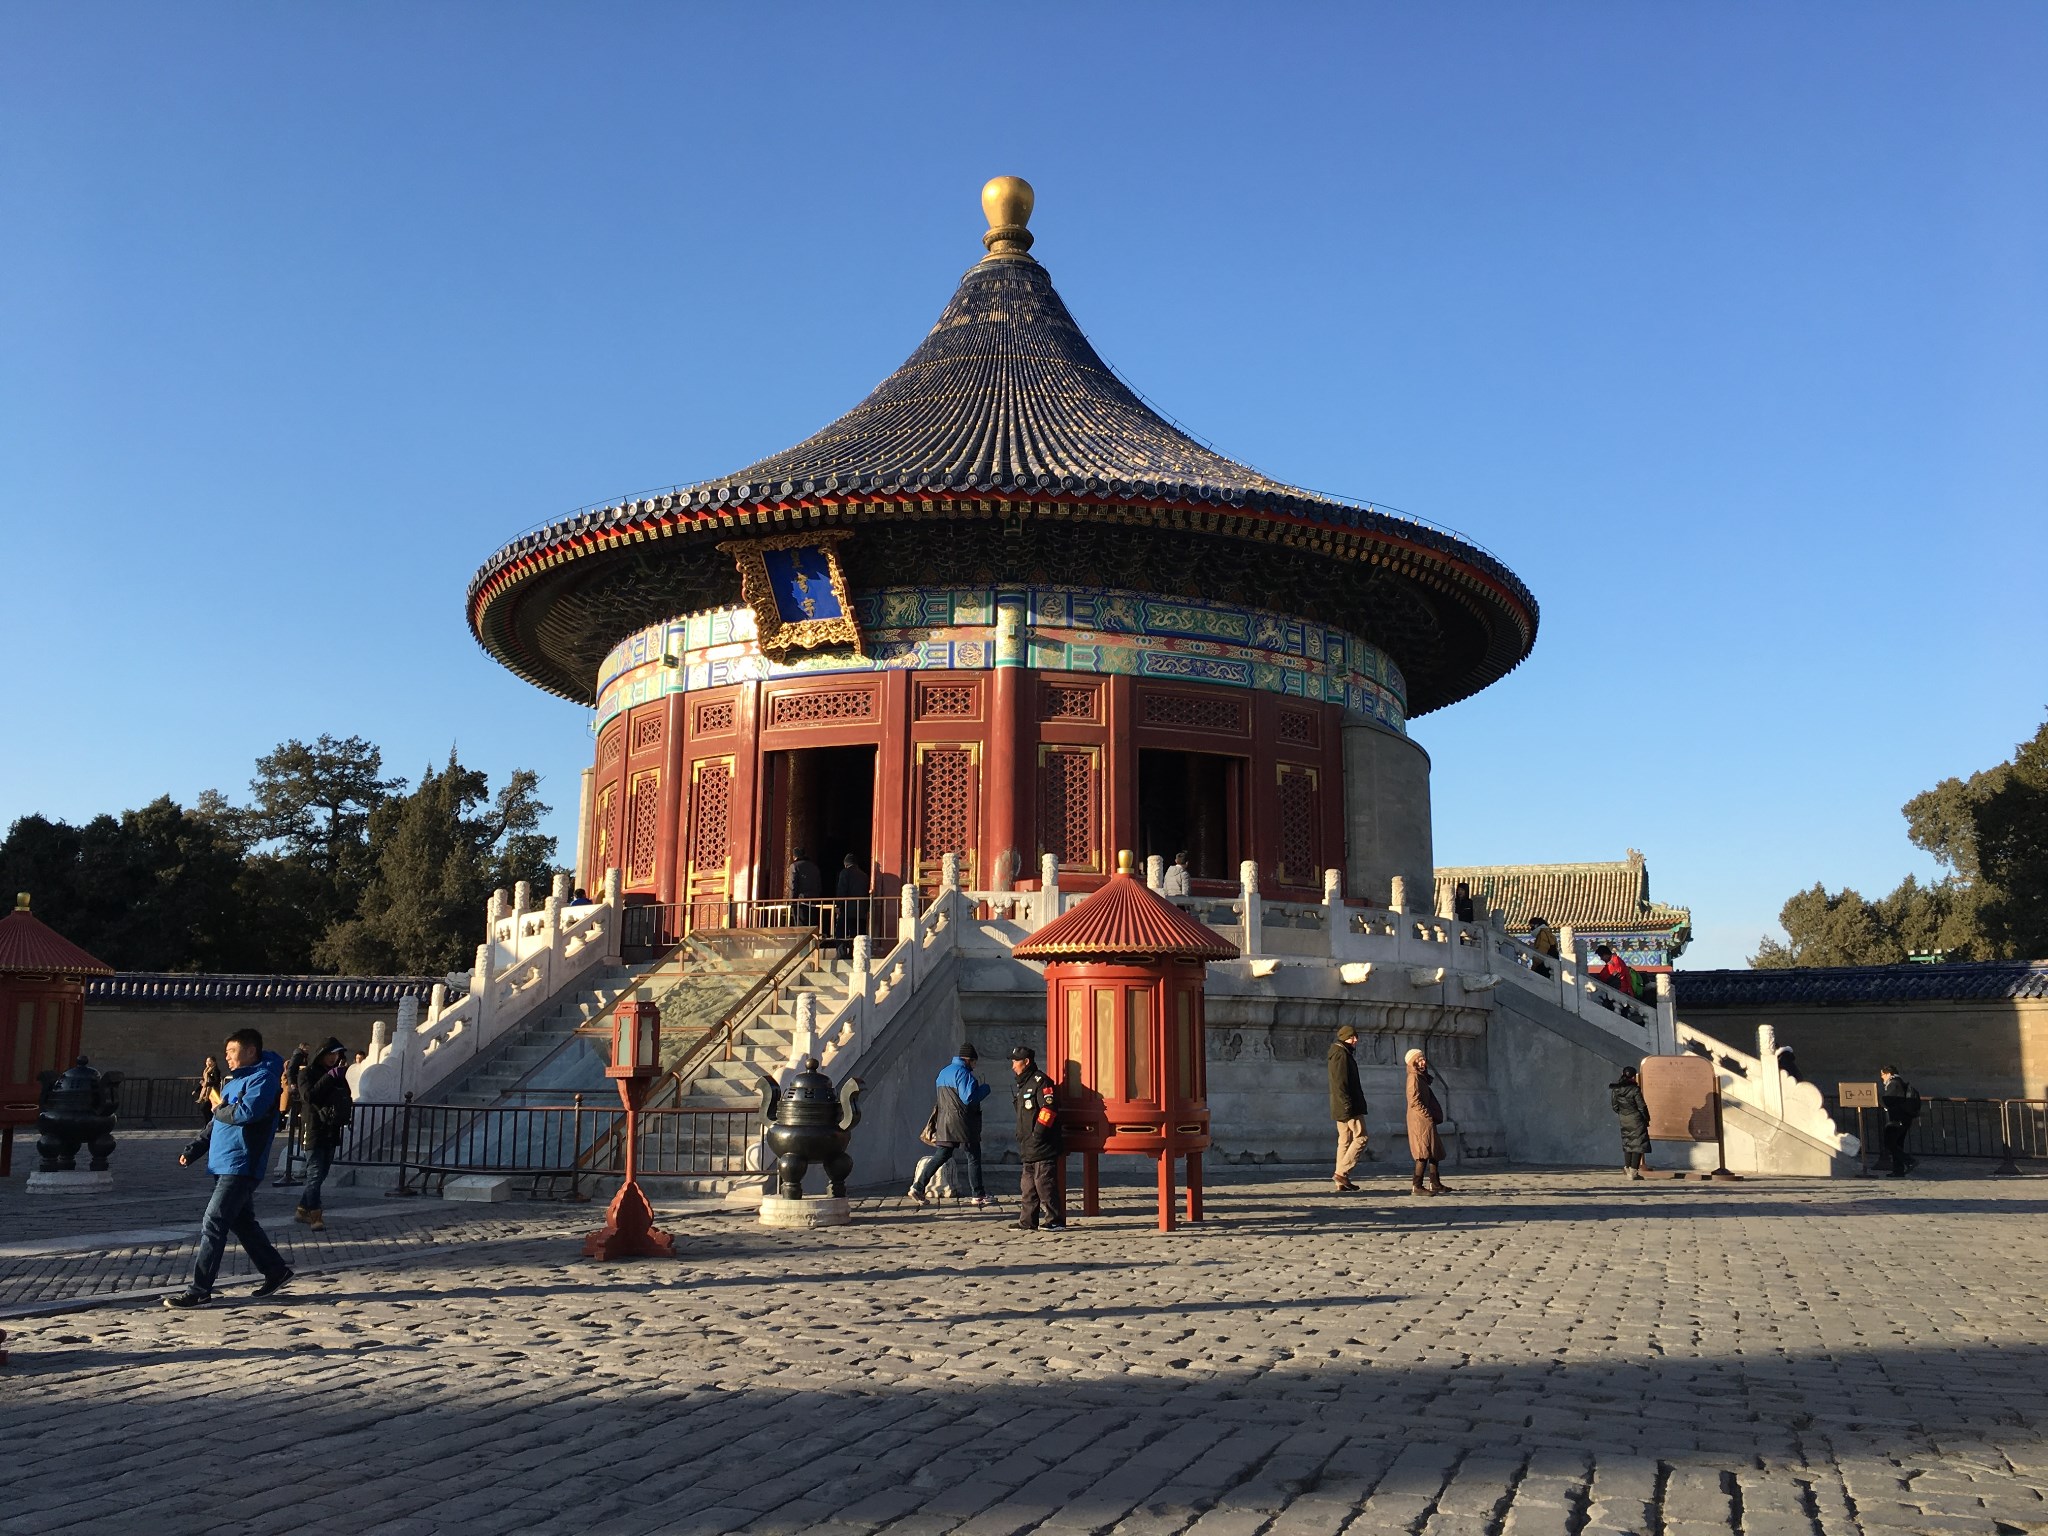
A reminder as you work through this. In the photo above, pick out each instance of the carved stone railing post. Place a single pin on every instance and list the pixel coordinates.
(1048, 889)
(481, 979)
(1397, 897)
(405, 1043)
(1155, 873)
(949, 872)
(551, 936)
(615, 923)
(437, 1002)
(860, 987)
(380, 1040)
(1333, 908)
(1254, 917)
(804, 1039)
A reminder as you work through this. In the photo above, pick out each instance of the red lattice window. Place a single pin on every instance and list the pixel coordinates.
(611, 744)
(1062, 702)
(716, 716)
(1066, 807)
(643, 819)
(1297, 865)
(821, 708)
(945, 809)
(1195, 712)
(604, 833)
(647, 729)
(1298, 728)
(710, 828)
(948, 701)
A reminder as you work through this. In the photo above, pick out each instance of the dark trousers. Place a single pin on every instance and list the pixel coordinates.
(937, 1159)
(1038, 1191)
(1895, 1146)
(233, 1209)
(318, 1159)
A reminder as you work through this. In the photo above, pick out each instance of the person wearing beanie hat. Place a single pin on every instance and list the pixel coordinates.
(1425, 1144)
(1347, 1105)
(1038, 1144)
(955, 1125)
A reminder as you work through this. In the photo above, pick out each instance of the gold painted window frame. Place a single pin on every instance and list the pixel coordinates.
(775, 635)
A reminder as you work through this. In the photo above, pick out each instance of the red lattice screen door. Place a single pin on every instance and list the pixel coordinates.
(1069, 807)
(1300, 816)
(710, 860)
(946, 814)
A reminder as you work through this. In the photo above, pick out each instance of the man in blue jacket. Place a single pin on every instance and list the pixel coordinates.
(237, 1151)
(955, 1126)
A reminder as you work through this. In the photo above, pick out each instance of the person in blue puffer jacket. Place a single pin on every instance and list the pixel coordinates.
(237, 1152)
(955, 1126)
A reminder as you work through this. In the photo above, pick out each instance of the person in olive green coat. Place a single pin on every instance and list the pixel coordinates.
(1347, 1105)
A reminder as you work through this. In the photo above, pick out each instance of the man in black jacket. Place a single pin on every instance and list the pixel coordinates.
(1038, 1144)
(1900, 1101)
(326, 1107)
(1347, 1105)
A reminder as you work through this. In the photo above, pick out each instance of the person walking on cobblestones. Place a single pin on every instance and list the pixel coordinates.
(1626, 1099)
(326, 1108)
(1425, 1145)
(1347, 1105)
(237, 1151)
(1038, 1145)
(955, 1126)
(1900, 1101)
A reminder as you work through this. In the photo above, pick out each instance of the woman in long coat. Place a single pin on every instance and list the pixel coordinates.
(1425, 1145)
(1633, 1112)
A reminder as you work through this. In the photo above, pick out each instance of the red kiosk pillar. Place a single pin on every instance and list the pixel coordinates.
(1125, 1033)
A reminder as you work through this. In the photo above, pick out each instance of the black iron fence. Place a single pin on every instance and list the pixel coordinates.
(147, 1103)
(652, 926)
(546, 1143)
(1958, 1127)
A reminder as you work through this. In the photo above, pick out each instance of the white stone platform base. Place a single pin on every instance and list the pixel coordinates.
(477, 1186)
(79, 1181)
(820, 1212)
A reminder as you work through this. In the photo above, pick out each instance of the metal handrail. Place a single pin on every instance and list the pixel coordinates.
(1963, 1127)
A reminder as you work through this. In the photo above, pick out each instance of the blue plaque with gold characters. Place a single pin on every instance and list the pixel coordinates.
(797, 590)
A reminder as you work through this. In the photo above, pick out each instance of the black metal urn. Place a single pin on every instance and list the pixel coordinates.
(811, 1123)
(77, 1109)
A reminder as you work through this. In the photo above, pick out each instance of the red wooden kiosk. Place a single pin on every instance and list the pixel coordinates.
(1124, 1032)
(42, 1013)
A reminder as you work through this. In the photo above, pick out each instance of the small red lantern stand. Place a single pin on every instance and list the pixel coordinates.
(1124, 1033)
(629, 1231)
(42, 1014)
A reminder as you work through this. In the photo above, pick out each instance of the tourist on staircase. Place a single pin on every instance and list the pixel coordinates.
(1347, 1105)
(1425, 1144)
(1633, 1111)
(955, 1126)
(1542, 939)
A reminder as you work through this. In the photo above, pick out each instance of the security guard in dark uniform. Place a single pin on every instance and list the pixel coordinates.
(1038, 1144)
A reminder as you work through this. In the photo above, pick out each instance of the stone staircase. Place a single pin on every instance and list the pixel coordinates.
(487, 1079)
(764, 1046)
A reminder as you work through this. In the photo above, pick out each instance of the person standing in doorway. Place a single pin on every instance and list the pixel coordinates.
(852, 893)
(1900, 1101)
(1038, 1145)
(1175, 881)
(1425, 1114)
(805, 885)
(955, 1126)
(326, 1108)
(237, 1150)
(1625, 1098)
(1347, 1105)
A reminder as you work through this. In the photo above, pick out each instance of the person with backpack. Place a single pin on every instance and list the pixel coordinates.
(237, 1151)
(326, 1107)
(1900, 1101)
(954, 1126)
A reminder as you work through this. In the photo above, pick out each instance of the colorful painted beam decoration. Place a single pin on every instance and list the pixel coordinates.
(797, 590)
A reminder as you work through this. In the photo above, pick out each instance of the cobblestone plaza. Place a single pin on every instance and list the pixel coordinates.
(1537, 1352)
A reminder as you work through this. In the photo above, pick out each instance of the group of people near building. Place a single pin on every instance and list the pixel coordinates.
(954, 1130)
(1348, 1108)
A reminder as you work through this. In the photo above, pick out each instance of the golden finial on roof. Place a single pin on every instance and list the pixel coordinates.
(21, 901)
(1007, 201)
(1125, 864)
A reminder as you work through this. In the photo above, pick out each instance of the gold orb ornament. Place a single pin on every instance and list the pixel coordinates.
(1007, 201)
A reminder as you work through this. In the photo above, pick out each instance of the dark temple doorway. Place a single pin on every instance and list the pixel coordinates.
(820, 800)
(1192, 802)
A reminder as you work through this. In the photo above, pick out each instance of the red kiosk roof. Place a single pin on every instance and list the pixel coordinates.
(1124, 920)
(28, 944)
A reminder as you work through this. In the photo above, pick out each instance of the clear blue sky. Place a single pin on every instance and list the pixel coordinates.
(1725, 325)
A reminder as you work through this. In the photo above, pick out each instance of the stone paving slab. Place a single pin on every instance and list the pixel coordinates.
(1551, 1352)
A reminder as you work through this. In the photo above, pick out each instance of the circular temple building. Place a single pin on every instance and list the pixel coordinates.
(1001, 609)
